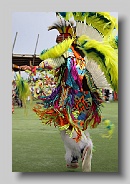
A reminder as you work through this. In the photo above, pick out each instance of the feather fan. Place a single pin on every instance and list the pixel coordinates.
(97, 74)
(104, 55)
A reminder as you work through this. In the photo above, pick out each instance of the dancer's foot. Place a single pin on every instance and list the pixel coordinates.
(74, 163)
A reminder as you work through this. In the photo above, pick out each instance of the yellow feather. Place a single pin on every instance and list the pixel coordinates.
(57, 50)
(104, 55)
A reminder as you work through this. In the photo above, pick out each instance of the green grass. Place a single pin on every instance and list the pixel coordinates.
(39, 148)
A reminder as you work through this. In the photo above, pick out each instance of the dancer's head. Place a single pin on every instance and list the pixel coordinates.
(65, 28)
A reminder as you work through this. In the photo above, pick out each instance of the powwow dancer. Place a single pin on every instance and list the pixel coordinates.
(75, 103)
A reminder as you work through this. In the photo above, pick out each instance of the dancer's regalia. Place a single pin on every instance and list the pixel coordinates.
(75, 103)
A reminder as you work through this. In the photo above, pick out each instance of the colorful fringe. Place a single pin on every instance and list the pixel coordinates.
(69, 107)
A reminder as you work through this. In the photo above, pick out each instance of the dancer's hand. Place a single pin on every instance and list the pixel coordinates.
(25, 67)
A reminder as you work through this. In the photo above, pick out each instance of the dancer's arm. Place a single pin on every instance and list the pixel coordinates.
(24, 67)
(50, 63)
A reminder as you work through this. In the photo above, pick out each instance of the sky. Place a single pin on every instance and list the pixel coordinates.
(28, 25)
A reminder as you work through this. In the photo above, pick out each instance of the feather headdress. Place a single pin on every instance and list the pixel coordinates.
(103, 22)
(64, 27)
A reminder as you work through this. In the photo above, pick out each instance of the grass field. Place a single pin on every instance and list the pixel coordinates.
(39, 148)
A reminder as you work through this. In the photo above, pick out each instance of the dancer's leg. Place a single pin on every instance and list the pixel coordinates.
(74, 150)
(87, 153)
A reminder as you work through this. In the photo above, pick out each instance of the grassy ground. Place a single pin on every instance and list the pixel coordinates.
(34, 151)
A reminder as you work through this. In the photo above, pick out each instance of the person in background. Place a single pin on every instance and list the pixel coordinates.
(107, 95)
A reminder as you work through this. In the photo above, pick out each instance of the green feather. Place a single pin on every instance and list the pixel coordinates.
(104, 55)
(23, 88)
